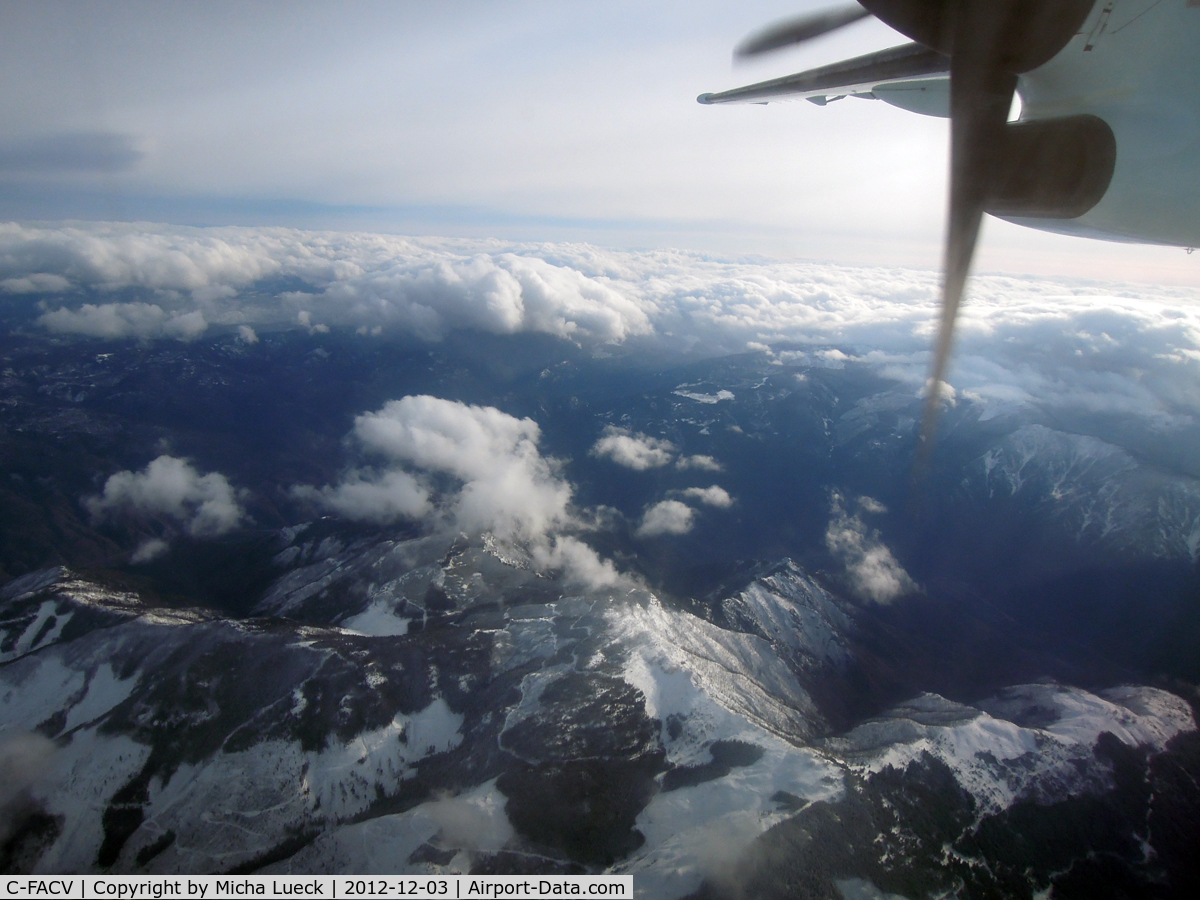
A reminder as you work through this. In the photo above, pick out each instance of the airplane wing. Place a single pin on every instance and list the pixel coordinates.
(901, 68)
(992, 43)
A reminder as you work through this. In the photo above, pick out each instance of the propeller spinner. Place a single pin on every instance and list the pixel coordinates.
(989, 43)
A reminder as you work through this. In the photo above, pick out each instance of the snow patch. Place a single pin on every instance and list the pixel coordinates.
(698, 832)
(85, 775)
(739, 672)
(999, 761)
(705, 398)
(1137, 716)
(28, 585)
(252, 798)
(796, 614)
(31, 690)
(104, 691)
(1098, 490)
(379, 620)
(36, 633)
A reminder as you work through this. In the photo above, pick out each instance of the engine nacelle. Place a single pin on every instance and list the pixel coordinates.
(1053, 168)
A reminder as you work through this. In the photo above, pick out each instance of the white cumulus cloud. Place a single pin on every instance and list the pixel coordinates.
(502, 484)
(634, 451)
(357, 280)
(508, 487)
(712, 496)
(170, 488)
(578, 561)
(698, 461)
(871, 505)
(667, 517)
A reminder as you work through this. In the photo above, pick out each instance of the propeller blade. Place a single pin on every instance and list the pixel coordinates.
(799, 29)
(989, 43)
(981, 92)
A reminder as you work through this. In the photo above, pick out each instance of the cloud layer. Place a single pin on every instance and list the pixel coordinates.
(1054, 345)
(352, 280)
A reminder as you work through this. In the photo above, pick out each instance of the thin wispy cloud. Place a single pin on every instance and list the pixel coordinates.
(872, 571)
(369, 496)
(25, 759)
(80, 151)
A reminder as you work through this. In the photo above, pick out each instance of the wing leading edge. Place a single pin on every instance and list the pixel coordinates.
(861, 75)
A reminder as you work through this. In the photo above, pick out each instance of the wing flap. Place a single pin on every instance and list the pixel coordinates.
(860, 75)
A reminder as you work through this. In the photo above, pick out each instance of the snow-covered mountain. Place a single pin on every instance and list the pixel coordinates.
(454, 710)
(1097, 492)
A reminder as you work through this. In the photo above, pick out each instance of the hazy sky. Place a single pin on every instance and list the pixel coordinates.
(520, 120)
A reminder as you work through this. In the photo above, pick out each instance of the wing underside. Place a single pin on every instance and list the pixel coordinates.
(859, 76)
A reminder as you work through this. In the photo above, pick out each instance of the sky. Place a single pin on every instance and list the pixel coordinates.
(521, 121)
